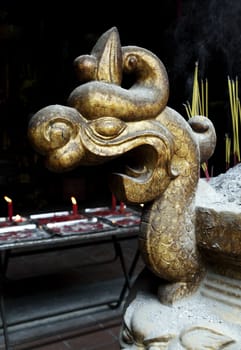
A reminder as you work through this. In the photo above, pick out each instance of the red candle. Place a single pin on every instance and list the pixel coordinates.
(113, 202)
(122, 207)
(10, 207)
(74, 206)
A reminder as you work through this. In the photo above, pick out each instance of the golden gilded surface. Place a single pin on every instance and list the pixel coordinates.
(161, 151)
(102, 94)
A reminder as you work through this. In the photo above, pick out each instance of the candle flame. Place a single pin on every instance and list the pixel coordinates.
(7, 199)
(73, 200)
(19, 218)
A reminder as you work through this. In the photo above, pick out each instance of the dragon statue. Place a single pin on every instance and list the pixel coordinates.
(119, 114)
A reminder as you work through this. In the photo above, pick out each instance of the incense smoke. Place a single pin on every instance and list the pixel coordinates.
(207, 31)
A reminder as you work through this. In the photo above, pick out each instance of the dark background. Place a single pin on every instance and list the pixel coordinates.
(39, 41)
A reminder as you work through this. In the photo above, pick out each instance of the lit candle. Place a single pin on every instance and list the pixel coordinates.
(74, 206)
(113, 202)
(10, 207)
(18, 218)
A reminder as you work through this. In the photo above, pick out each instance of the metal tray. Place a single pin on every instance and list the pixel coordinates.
(53, 217)
(22, 232)
(124, 220)
(106, 211)
(128, 217)
(86, 225)
(4, 222)
(48, 215)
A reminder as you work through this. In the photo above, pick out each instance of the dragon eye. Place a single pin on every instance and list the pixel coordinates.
(108, 126)
(131, 63)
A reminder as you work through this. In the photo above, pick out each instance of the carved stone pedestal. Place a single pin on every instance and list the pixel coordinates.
(211, 317)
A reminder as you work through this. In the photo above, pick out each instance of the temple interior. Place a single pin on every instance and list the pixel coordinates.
(38, 47)
(38, 44)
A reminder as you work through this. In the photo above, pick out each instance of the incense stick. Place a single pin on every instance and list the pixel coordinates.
(199, 105)
(227, 151)
(235, 115)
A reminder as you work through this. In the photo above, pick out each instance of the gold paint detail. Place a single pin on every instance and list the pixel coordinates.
(158, 151)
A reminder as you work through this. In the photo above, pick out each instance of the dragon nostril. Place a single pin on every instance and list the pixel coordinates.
(108, 126)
